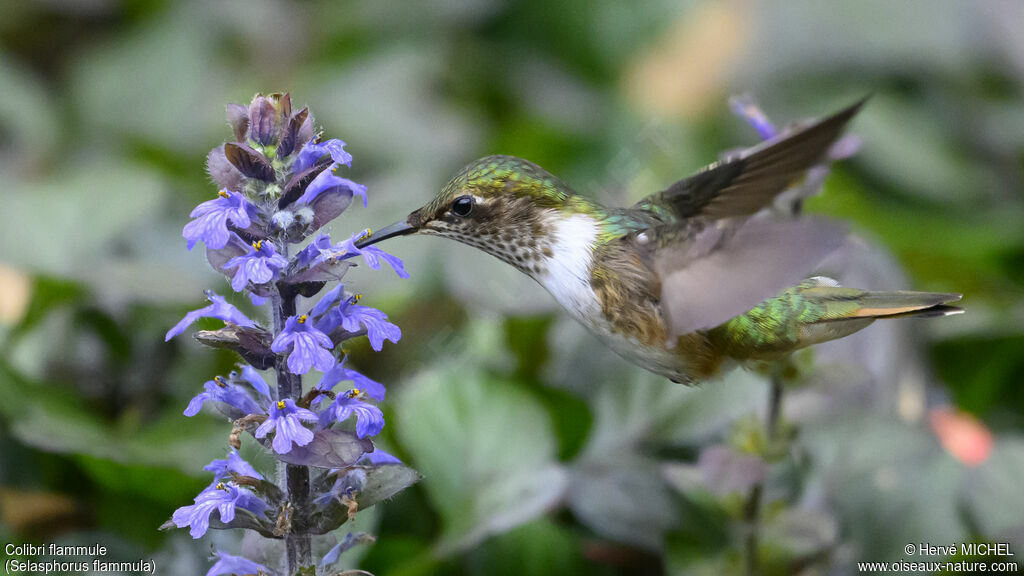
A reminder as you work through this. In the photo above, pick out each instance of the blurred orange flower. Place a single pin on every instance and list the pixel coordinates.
(961, 434)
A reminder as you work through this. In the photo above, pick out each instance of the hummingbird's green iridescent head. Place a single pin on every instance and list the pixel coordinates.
(501, 204)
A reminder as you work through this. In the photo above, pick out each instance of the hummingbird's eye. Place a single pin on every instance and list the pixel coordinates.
(462, 206)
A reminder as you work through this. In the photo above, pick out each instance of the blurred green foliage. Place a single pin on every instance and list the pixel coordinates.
(542, 452)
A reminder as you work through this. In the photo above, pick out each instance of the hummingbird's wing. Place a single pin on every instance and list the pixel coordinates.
(746, 183)
(722, 269)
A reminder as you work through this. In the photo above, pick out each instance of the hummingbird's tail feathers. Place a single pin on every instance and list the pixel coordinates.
(819, 310)
(896, 304)
(750, 181)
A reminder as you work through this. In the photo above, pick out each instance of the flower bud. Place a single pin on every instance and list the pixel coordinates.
(263, 120)
(290, 134)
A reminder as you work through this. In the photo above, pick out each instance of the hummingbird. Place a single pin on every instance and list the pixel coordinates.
(688, 282)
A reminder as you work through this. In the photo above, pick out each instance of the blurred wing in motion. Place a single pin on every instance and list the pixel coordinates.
(743, 185)
(722, 271)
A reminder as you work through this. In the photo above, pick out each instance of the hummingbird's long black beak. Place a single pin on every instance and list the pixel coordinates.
(401, 228)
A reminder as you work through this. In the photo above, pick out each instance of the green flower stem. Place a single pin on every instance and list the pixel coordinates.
(296, 478)
(752, 507)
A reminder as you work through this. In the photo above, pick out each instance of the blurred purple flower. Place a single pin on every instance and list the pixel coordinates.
(745, 107)
(726, 470)
(285, 421)
(218, 308)
(227, 565)
(351, 540)
(222, 497)
(258, 266)
(308, 346)
(211, 218)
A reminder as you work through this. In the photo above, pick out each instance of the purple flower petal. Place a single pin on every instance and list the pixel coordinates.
(329, 299)
(745, 107)
(220, 390)
(227, 565)
(233, 463)
(210, 219)
(308, 346)
(379, 458)
(312, 152)
(221, 497)
(285, 420)
(326, 182)
(218, 308)
(250, 375)
(259, 265)
(371, 254)
(376, 323)
(340, 373)
(369, 418)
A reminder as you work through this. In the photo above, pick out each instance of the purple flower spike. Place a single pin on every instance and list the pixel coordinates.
(233, 463)
(221, 390)
(340, 373)
(258, 266)
(745, 107)
(309, 346)
(369, 418)
(228, 564)
(218, 308)
(286, 422)
(312, 152)
(211, 218)
(221, 497)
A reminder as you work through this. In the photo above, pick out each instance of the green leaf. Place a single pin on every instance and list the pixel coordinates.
(486, 450)
(540, 548)
(890, 483)
(45, 416)
(625, 500)
(90, 205)
(992, 491)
